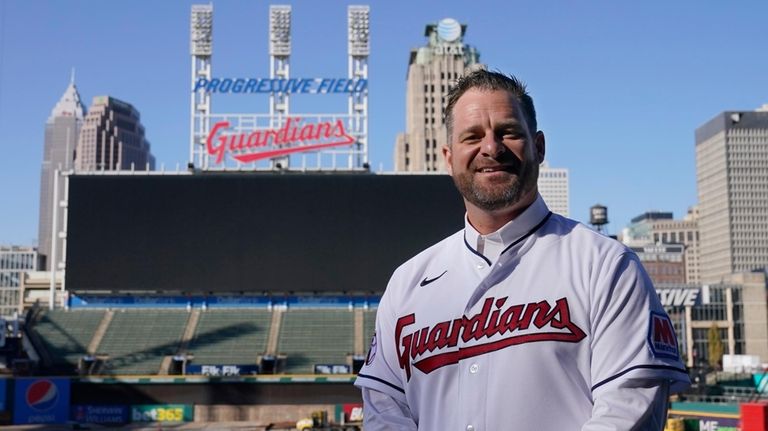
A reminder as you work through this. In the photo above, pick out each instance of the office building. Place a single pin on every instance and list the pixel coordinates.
(553, 187)
(732, 181)
(112, 138)
(61, 133)
(659, 228)
(665, 263)
(432, 70)
(14, 262)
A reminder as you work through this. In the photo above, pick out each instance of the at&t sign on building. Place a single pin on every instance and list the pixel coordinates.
(279, 138)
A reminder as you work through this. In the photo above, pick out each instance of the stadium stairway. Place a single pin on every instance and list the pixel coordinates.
(359, 342)
(189, 333)
(93, 346)
(274, 332)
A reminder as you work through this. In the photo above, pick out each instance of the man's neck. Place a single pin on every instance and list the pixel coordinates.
(485, 221)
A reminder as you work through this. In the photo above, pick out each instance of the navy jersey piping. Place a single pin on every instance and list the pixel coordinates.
(475, 251)
(530, 232)
(650, 367)
(366, 376)
(517, 241)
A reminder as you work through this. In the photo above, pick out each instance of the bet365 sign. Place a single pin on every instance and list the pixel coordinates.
(161, 413)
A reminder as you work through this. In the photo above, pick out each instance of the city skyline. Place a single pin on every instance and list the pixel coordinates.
(627, 144)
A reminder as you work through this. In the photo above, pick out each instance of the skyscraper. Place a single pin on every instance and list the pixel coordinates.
(112, 138)
(553, 187)
(61, 132)
(432, 70)
(732, 181)
(659, 228)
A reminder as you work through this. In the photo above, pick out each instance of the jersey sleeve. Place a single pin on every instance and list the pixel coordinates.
(632, 335)
(381, 371)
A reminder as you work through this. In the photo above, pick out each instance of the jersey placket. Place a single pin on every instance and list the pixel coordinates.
(473, 388)
(474, 372)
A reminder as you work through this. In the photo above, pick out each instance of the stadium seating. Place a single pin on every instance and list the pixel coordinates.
(65, 335)
(230, 336)
(137, 340)
(309, 337)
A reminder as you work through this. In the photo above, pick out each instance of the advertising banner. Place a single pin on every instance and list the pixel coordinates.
(101, 414)
(353, 412)
(332, 369)
(222, 370)
(41, 401)
(712, 424)
(162, 413)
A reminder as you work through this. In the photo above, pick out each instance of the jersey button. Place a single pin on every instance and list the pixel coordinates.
(470, 428)
(473, 368)
(479, 266)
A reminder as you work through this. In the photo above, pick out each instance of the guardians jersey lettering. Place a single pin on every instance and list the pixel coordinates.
(483, 325)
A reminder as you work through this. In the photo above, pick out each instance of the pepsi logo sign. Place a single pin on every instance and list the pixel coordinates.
(42, 395)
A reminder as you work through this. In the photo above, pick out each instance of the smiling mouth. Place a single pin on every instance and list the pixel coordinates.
(491, 169)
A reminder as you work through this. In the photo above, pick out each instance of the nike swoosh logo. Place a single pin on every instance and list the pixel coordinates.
(426, 280)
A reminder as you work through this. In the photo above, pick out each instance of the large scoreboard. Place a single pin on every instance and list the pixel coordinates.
(251, 232)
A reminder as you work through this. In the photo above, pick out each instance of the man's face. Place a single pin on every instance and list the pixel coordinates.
(493, 157)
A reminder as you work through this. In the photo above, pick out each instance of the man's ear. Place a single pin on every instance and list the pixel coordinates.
(541, 146)
(447, 157)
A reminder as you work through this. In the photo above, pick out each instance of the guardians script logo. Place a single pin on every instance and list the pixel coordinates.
(293, 137)
(550, 323)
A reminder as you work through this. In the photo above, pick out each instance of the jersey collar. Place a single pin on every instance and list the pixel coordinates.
(491, 246)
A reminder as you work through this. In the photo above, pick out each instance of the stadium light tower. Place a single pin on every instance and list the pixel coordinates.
(201, 49)
(358, 23)
(279, 67)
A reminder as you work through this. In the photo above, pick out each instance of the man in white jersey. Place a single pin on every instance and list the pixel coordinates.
(524, 320)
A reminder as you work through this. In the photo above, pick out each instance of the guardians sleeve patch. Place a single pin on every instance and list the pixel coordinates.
(661, 337)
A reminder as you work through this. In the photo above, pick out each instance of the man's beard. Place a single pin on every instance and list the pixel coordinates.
(501, 194)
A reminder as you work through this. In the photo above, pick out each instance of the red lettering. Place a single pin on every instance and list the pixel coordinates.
(402, 357)
(217, 150)
(510, 318)
(662, 331)
(291, 135)
(475, 327)
(485, 325)
(438, 338)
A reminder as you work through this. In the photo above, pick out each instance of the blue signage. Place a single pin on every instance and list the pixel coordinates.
(222, 370)
(332, 369)
(3, 395)
(102, 414)
(41, 401)
(281, 85)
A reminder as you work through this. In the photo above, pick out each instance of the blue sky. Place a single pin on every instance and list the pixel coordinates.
(620, 86)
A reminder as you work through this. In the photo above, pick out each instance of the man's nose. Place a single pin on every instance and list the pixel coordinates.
(492, 146)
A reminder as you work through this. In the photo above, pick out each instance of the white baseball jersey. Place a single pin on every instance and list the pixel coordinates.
(526, 337)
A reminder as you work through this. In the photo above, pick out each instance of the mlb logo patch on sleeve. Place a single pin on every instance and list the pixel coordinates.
(661, 337)
(371, 351)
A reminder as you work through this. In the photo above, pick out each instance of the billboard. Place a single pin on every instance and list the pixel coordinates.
(41, 401)
(218, 233)
(162, 413)
(100, 414)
